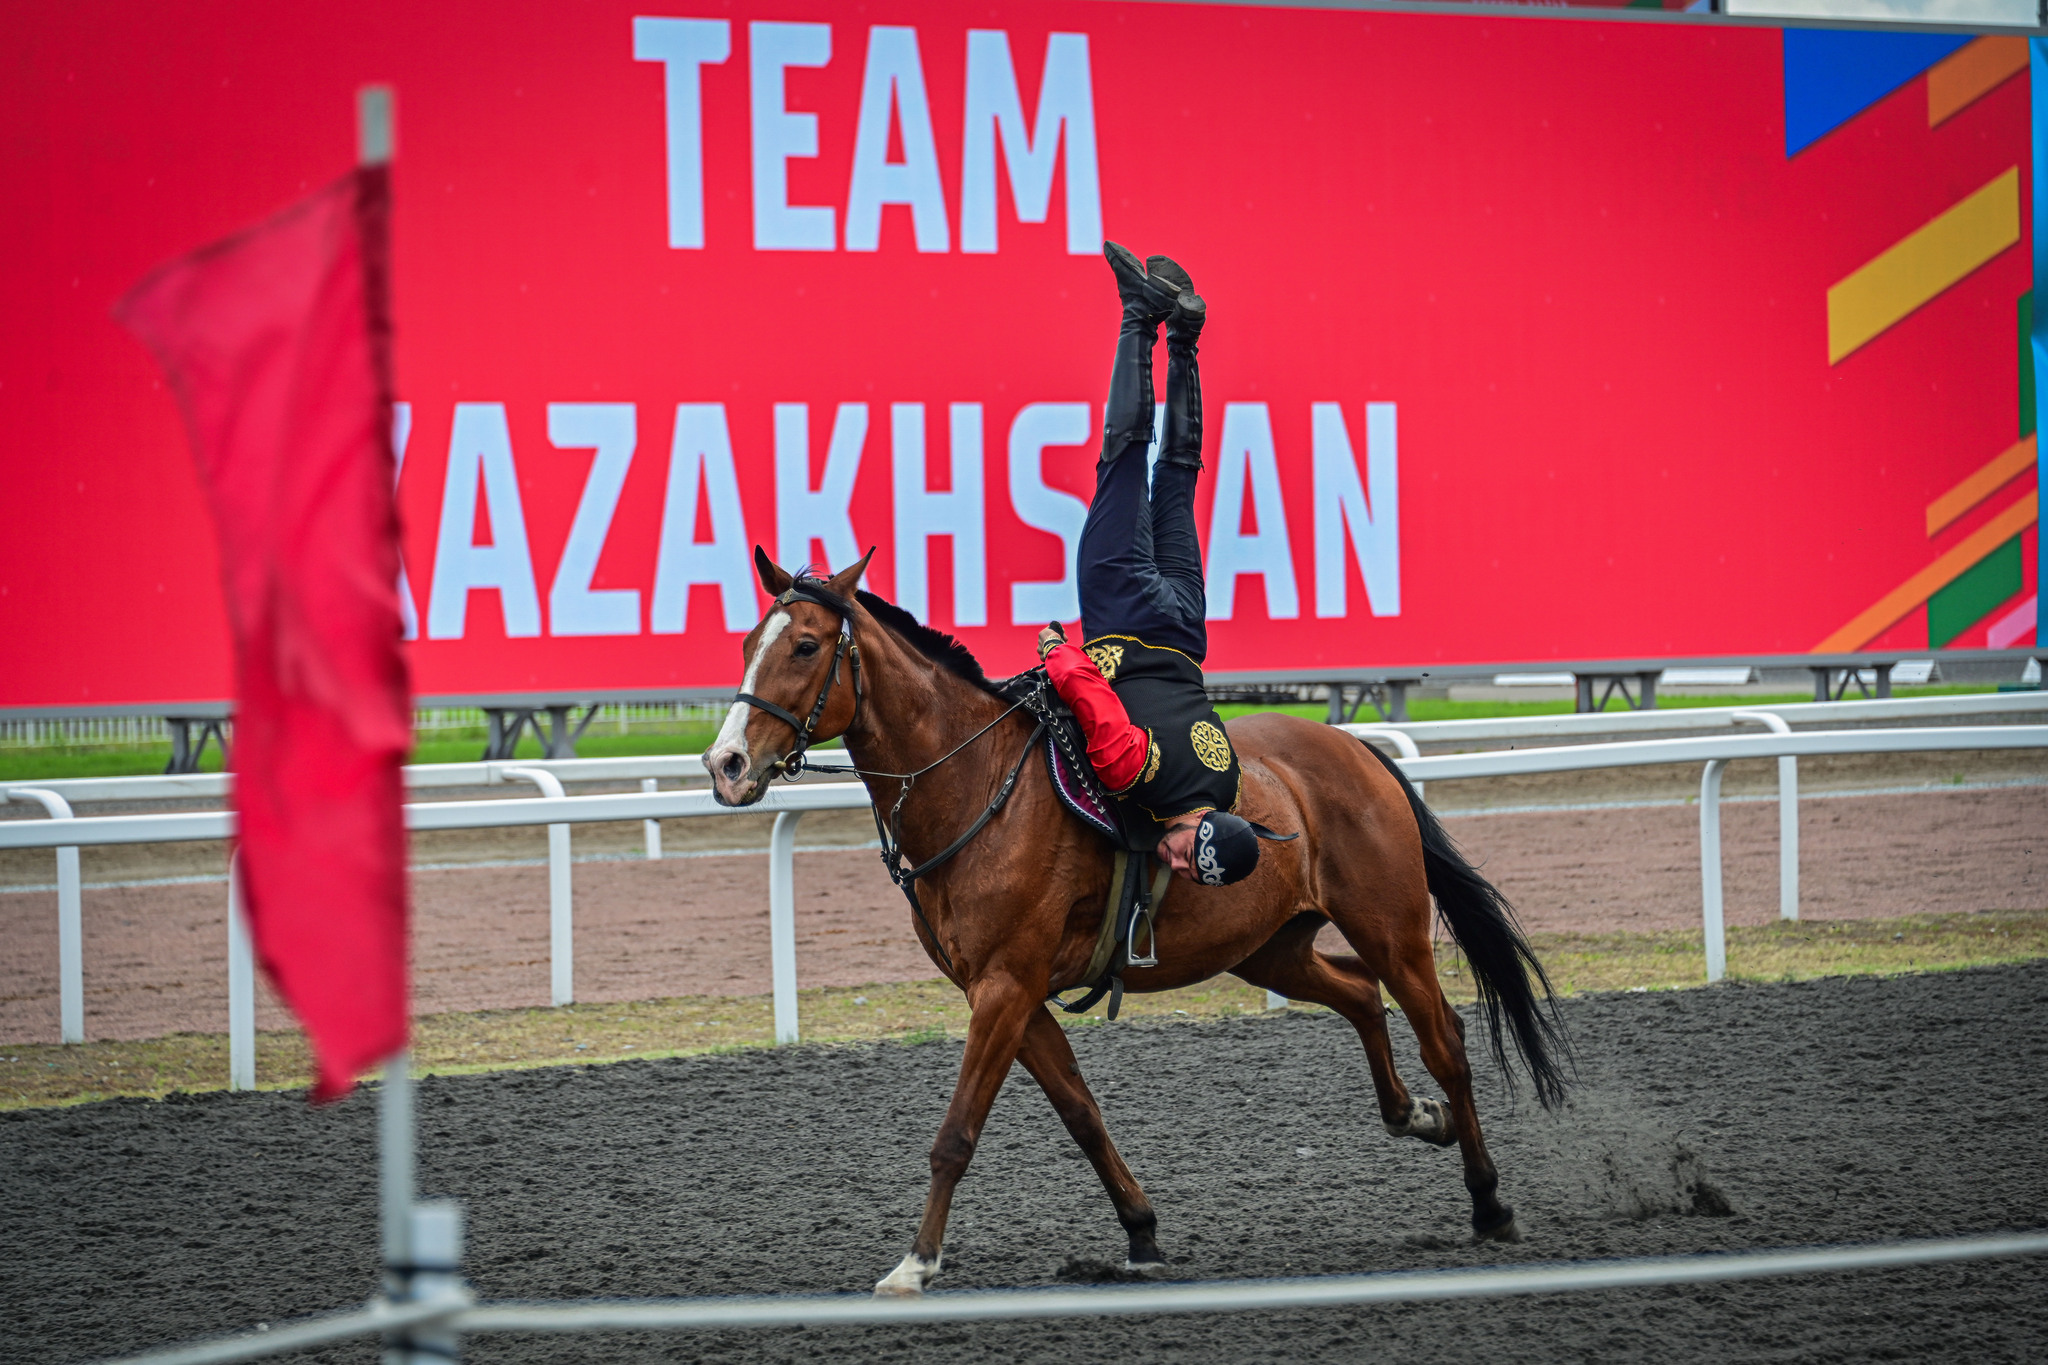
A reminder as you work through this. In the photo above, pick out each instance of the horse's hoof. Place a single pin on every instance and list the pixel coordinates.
(908, 1279)
(1151, 1270)
(1429, 1120)
(1506, 1230)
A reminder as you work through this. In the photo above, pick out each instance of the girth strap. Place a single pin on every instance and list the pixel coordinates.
(1129, 901)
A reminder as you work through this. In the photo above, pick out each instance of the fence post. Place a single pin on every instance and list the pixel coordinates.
(70, 947)
(782, 922)
(1788, 815)
(561, 892)
(422, 1241)
(395, 1164)
(241, 986)
(1710, 869)
(651, 828)
(70, 919)
(1788, 837)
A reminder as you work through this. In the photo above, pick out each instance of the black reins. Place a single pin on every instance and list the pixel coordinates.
(891, 832)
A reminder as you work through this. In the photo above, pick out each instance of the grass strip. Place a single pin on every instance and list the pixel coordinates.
(914, 1012)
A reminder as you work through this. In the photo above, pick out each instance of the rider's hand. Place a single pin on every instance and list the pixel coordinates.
(1049, 639)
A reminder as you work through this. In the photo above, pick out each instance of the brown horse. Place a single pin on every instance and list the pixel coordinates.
(1014, 916)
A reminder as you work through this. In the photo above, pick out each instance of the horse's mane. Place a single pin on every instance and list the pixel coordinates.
(941, 648)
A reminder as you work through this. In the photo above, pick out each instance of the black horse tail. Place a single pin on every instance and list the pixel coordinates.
(1510, 981)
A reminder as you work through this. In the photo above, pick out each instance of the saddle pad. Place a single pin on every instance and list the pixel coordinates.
(1084, 798)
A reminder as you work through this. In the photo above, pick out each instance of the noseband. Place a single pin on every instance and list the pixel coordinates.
(806, 590)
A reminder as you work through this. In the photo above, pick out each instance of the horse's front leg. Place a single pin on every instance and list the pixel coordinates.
(1002, 1008)
(1049, 1057)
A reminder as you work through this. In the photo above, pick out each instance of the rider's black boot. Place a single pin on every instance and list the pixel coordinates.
(1148, 301)
(1181, 443)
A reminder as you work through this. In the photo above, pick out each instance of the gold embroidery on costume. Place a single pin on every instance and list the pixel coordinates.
(1107, 658)
(1210, 746)
(1144, 775)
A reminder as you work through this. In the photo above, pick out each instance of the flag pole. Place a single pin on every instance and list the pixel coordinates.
(395, 1130)
(422, 1242)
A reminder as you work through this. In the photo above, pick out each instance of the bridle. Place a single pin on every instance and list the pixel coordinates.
(891, 831)
(804, 590)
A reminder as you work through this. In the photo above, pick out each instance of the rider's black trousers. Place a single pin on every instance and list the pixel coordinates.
(1139, 566)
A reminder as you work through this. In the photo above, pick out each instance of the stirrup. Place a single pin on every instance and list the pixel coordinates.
(1151, 957)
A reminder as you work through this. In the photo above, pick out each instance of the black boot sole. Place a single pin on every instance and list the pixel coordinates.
(1168, 269)
(1154, 298)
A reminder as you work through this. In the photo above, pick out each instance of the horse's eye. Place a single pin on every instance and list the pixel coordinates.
(806, 649)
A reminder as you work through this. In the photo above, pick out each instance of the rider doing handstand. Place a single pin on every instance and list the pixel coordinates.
(1136, 683)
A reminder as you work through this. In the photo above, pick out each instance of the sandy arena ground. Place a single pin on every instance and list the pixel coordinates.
(155, 956)
(1844, 1110)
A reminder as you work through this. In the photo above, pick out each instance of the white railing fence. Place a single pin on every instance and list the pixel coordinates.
(559, 811)
(449, 1312)
(84, 732)
(650, 770)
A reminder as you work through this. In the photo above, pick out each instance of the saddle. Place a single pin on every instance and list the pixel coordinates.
(1137, 883)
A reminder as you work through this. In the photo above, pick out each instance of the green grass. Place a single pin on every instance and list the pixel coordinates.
(461, 746)
(438, 746)
(465, 746)
(126, 760)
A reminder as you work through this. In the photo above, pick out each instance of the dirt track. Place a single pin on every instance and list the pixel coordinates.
(156, 956)
(1836, 1111)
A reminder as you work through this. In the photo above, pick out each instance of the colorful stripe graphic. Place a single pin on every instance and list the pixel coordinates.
(1975, 594)
(1833, 75)
(1887, 610)
(2026, 312)
(1922, 264)
(2015, 626)
(2017, 460)
(1961, 80)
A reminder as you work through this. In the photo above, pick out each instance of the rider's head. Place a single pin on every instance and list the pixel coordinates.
(1212, 847)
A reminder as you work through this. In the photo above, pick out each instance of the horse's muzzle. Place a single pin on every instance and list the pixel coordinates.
(734, 780)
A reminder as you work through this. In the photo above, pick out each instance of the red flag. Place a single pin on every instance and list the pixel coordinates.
(277, 343)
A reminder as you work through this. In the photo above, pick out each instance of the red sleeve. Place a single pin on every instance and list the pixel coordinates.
(1116, 747)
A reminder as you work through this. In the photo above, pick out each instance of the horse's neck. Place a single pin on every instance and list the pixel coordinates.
(915, 713)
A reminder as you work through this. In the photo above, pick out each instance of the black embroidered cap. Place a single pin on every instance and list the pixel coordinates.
(1227, 847)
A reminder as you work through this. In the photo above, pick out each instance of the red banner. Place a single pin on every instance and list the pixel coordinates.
(277, 342)
(1525, 335)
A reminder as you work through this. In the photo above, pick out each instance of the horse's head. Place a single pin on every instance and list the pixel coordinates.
(794, 665)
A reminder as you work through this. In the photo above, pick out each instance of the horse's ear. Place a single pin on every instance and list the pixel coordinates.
(847, 579)
(774, 577)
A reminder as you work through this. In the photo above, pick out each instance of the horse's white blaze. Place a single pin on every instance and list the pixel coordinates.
(733, 734)
(910, 1276)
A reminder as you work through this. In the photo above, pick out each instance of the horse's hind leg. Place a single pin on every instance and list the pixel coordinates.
(1290, 964)
(1411, 976)
(1391, 937)
(1049, 1058)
